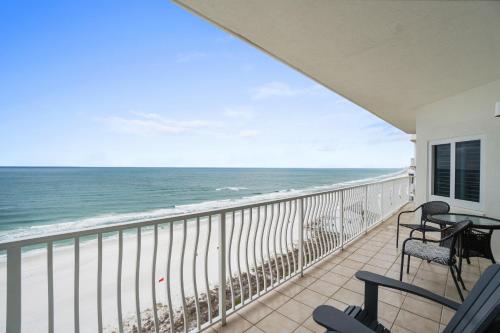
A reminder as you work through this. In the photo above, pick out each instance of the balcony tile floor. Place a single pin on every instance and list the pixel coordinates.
(332, 282)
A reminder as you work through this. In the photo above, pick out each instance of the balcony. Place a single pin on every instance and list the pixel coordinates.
(259, 267)
(332, 282)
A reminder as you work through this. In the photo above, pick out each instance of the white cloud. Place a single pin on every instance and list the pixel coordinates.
(249, 133)
(281, 89)
(151, 123)
(190, 56)
(241, 112)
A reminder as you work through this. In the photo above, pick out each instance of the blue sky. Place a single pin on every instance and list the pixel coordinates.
(145, 83)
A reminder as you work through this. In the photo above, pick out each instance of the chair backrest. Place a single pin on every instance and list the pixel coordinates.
(480, 312)
(434, 207)
(452, 233)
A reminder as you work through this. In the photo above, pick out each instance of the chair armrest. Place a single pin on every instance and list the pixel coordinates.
(406, 211)
(406, 287)
(335, 320)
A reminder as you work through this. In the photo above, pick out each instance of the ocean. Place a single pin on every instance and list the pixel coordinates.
(41, 200)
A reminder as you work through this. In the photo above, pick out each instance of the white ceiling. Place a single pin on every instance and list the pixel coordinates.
(390, 57)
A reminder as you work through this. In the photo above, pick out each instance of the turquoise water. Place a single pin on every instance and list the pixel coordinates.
(37, 201)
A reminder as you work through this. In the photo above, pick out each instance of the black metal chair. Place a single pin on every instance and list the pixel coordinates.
(440, 251)
(428, 208)
(480, 312)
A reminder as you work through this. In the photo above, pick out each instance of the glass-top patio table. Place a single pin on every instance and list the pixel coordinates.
(478, 222)
(476, 243)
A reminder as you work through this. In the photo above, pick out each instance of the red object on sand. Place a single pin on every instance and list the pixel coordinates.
(161, 280)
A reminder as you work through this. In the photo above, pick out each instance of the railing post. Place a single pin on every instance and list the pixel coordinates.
(14, 289)
(365, 216)
(382, 202)
(222, 268)
(301, 236)
(342, 220)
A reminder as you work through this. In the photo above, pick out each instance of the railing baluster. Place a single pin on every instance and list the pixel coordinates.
(292, 248)
(153, 279)
(313, 227)
(238, 257)
(278, 275)
(119, 281)
(229, 261)
(181, 272)
(287, 227)
(342, 219)
(283, 220)
(169, 261)
(269, 260)
(255, 265)
(50, 285)
(207, 287)
(306, 225)
(13, 289)
(99, 282)
(328, 221)
(76, 290)
(195, 256)
(249, 280)
(301, 236)
(222, 268)
(365, 215)
(263, 229)
(324, 244)
(137, 276)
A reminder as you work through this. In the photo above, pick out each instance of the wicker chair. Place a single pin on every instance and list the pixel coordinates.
(428, 208)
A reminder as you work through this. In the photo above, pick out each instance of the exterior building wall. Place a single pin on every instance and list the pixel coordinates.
(470, 113)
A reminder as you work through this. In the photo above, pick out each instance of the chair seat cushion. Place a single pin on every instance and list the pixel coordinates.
(427, 251)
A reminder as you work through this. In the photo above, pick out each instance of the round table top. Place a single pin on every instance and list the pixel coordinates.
(481, 222)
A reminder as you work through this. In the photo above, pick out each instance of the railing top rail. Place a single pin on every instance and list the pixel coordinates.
(27, 241)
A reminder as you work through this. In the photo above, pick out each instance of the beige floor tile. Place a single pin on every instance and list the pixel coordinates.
(305, 280)
(374, 269)
(302, 329)
(295, 311)
(355, 285)
(336, 304)
(274, 299)
(317, 271)
(415, 323)
(323, 288)
(387, 312)
(254, 329)
(234, 324)
(255, 312)
(348, 297)
(397, 329)
(277, 323)
(446, 315)
(335, 278)
(391, 297)
(423, 309)
(310, 298)
(290, 289)
(356, 265)
(312, 326)
(344, 270)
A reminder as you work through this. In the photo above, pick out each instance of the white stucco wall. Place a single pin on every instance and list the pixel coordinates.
(467, 114)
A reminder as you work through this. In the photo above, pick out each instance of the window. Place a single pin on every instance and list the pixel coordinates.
(455, 172)
(442, 170)
(467, 170)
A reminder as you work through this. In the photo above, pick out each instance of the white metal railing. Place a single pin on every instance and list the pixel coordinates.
(187, 272)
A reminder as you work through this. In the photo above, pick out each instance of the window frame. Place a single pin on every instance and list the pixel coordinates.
(452, 201)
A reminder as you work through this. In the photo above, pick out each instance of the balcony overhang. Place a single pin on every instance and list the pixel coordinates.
(389, 57)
